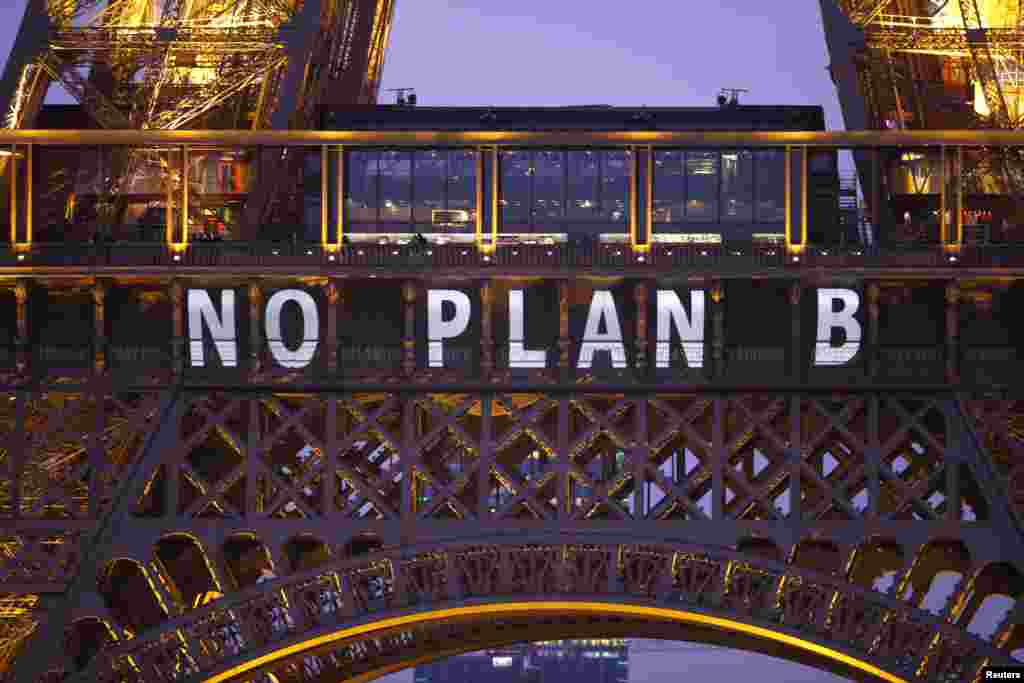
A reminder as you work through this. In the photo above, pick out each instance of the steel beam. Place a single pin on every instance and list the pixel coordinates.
(38, 655)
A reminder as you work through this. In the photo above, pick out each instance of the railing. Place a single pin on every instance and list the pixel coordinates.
(604, 257)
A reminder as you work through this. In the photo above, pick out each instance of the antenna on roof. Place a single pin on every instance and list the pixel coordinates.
(730, 97)
(403, 100)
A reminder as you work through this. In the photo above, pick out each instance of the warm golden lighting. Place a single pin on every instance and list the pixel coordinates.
(606, 609)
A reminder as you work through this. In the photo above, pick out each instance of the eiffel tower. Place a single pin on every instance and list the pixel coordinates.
(267, 463)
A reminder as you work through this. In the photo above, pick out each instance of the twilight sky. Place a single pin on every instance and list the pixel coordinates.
(653, 52)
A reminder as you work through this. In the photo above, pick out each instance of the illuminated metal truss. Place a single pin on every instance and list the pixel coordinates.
(208, 64)
(982, 38)
(169, 64)
(295, 515)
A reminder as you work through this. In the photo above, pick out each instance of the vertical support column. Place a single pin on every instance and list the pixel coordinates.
(329, 477)
(943, 199)
(409, 340)
(332, 293)
(332, 187)
(717, 330)
(177, 297)
(640, 191)
(873, 457)
(253, 497)
(325, 195)
(640, 294)
(169, 202)
(564, 352)
(408, 503)
(641, 456)
(29, 192)
(22, 344)
(17, 451)
(958, 178)
(255, 347)
(487, 335)
(565, 503)
(795, 461)
(796, 371)
(184, 194)
(488, 198)
(954, 457)
(341, 225)
(952, 332)
(873, 293)
(877, 213)
(483, 473)
(12, 169)
(796, 199)
(99, 295)
(804, 191)
(718, 456)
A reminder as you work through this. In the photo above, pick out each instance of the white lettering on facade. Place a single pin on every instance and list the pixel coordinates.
(689, 328)
(222, 328)
(204, 320)
(518, 355)
(824, 352)
(602, 307)
(303, 355)
(439, 329)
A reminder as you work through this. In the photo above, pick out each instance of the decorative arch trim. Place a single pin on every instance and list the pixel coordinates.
(541, 607)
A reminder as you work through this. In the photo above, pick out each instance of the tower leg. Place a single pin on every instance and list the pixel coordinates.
(31, 39)
(37, 657)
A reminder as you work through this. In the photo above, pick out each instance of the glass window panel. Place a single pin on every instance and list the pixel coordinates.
(516, 172)
(821, 162)
(395, 171)
(615, 174)
(702, 186)
(548, 186)
(462, 181)
(669, 188)
(361, 178)
(738, 185)
(429, 176)
(219, 181)
(583, 177)
(771, 185)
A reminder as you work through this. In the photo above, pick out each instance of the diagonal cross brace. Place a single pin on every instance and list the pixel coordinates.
(37, 656)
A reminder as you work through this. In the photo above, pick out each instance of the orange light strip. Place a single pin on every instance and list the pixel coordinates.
(788, 157)
(562, 607)
(634, 199)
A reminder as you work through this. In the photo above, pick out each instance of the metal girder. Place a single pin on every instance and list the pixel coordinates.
(944, 41)
(17, 87)
(984, 63)
(866, 11)
(38, 655)
(92, 99)
(336, 465)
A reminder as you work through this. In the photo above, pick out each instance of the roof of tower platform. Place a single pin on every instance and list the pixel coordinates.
(576, 118)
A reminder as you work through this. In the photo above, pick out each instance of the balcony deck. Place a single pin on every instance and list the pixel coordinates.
(400, 261)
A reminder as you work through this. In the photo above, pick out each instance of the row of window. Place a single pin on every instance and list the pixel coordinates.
(565, 186)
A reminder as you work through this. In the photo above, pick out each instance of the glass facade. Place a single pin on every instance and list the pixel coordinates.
(887, 197)
(551, 191)
(741, 186)
(427, 191)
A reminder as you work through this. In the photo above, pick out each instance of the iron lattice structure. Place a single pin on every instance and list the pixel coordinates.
(190, 533)
(198, 64)
(934, 64)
